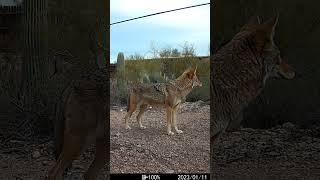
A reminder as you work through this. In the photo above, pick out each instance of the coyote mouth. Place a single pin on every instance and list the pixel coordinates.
(287, 76)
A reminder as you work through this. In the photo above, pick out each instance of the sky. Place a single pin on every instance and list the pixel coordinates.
(170, 29)
(10, 2)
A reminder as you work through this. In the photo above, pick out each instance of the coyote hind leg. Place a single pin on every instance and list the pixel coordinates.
(101, 158)
(143, 108)
(71, 150)
(132, 106)
(102, 155)
(127, 117)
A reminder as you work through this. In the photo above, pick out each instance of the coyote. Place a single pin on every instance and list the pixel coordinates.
(239, 72)
(169, 95)
(82, 121)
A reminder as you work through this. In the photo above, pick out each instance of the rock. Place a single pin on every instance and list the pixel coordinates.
(169, 171)
(272, 153)
(140, 150)
(200, 103)
(288, 125)
(247, 129)
(236, 133)
(270, 133)
(16, 141)
(78, 166)
(252, 154)
(36, 154)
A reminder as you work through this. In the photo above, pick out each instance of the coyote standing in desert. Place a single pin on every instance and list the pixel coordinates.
(239, 72)
(169, 95)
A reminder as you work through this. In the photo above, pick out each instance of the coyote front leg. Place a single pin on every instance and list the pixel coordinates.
(169, 120)
(174, 120)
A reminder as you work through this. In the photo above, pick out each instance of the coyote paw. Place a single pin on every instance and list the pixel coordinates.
(128, 127)
(170, 133)
(142, 127)
(179, 131)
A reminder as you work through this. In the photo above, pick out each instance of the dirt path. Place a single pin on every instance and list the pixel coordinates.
(151, 150)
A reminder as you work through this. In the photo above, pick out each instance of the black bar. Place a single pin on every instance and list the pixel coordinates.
(183, 176)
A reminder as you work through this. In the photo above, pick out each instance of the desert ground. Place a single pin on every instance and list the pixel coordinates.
(151, 150)
(31, 161)
(282, 152)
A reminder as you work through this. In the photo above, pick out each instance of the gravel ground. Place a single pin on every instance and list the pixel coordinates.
(21, 160)
(151, 150)
(283, 152)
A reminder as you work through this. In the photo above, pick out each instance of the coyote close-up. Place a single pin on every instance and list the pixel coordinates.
(169, 95)
(239, 73)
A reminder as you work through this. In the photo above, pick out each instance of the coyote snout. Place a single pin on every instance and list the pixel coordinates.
(284, 69)
(195, 81)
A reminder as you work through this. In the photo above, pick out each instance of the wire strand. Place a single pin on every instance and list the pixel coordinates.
(159, 13)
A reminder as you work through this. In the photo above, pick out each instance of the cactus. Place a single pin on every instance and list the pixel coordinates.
(121, 81)
(35, 50)
(120, 66)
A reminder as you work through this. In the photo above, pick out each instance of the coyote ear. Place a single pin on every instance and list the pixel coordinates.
(254, 21)
(190, 74)
(265, 33)
(269, 26)
(189, 69)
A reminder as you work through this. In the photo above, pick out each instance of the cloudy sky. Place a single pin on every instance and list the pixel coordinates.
(169, 29)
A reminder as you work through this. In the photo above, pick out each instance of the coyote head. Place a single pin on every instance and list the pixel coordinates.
(263, 35)
(190, 74)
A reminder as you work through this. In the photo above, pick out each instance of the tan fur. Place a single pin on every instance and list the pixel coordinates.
(83, 123)
(239, 72)
(168, 95)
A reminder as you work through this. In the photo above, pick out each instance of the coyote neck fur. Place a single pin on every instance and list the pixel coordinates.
(182, 85)
(233, 90)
